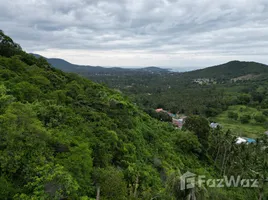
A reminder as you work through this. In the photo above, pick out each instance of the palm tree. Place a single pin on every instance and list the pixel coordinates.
(174, 182)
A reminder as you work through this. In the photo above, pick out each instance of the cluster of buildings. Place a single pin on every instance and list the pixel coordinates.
(204, 81)
(245, 140)
(178, 121)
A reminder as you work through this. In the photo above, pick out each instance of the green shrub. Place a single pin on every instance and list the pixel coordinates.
(265, 112)
(245, 119)
(260, 118)
(232, 115)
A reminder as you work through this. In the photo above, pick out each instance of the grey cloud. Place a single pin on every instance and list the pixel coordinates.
(156, 26)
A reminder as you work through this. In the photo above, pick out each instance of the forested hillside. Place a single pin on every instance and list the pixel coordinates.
(229, 70)
(65, 137)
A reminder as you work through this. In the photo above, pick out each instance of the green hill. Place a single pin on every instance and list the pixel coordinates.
(232, 69)
(96, 70)
(61, 135)
(69, 67)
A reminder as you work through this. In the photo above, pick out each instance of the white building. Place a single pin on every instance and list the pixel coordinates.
(240, 140)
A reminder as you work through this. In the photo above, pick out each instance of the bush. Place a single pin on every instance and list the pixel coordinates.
(188, 142)
(200, 127)
(264, 104)
(265, 112)
(260, 118)
(243, 99)
(232, 115)
(212, 112)
(245, 119)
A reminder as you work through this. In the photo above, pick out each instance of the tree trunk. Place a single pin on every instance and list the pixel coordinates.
(136, 186)
(223, 161)
(215, 160)
(98, 193)
(193, 197)
(261, 193)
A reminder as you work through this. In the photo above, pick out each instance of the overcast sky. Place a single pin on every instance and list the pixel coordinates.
(167, 33)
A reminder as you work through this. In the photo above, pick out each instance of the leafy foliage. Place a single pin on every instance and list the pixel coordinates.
(233, 115)
(245, 119)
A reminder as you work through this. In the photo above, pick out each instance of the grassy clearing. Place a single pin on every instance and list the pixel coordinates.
(252, 129)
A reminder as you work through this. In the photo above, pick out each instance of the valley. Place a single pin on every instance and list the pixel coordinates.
(239, 87)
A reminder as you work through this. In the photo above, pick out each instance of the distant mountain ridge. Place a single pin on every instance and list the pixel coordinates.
(69, 67)
(229, 70)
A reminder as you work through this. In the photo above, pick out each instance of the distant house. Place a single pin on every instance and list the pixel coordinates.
(240, 140)
(250, 140)
(164, 111)
(245, 140)
(178, 122)
(214, 125)
(159, 110)
(171, 114)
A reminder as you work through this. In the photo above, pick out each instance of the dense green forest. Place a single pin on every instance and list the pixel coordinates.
(208, 92)
(65, 137)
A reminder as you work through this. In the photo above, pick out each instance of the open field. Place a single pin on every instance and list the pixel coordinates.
(251, 129)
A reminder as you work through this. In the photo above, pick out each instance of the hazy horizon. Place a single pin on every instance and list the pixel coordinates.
(171, 68)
